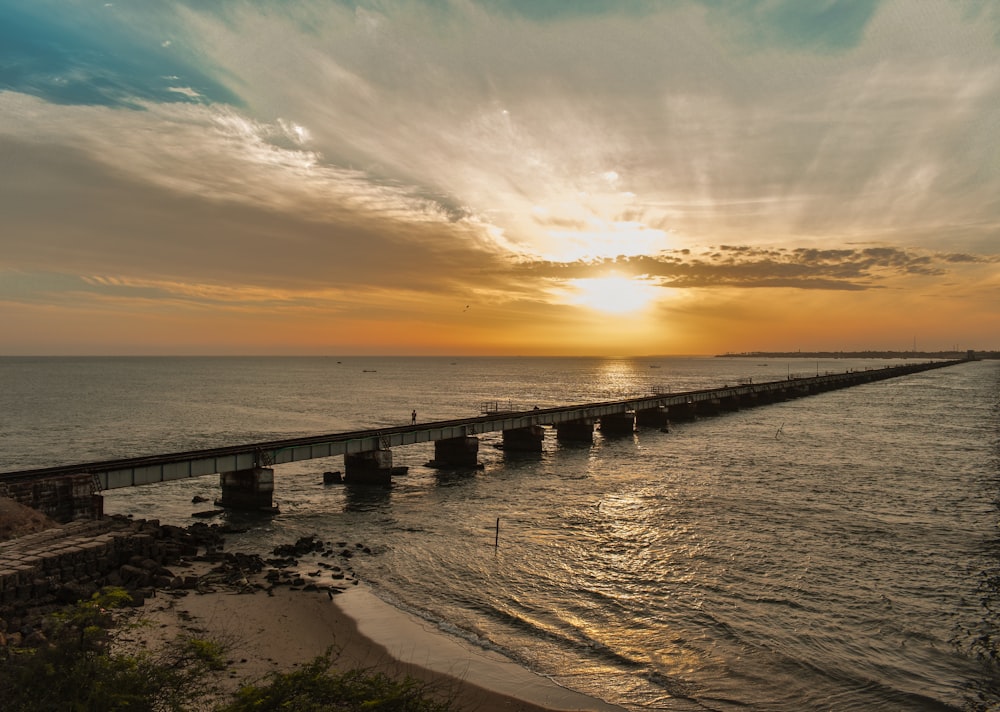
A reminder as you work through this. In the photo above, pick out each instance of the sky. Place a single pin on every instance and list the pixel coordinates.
(503, 177)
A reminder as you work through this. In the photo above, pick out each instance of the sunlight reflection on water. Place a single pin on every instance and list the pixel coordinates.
(818, 553)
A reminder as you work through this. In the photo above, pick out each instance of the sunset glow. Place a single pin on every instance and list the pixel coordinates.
(373, 184)
(612, 295)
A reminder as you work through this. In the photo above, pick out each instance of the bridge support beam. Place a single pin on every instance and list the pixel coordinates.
(709, 407)
(618, 424)
(524, 439)
(462, 451)
(682, 411)
(581, 430)
(251, 489)
(652, 417)
(732, 402)
(373, 467)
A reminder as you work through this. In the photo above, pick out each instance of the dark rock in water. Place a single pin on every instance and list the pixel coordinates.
(247, 563)
(303, 546)
(330, 478)
(207, 513)
(284, 562)
(198, 499)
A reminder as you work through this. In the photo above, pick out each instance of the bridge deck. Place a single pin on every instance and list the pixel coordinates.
(130, 472)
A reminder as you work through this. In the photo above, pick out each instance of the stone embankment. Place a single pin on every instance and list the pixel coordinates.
(45, 571)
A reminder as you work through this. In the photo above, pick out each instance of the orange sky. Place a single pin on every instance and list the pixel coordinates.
(499, 178)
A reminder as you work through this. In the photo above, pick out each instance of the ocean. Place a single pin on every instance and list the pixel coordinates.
(833, 552)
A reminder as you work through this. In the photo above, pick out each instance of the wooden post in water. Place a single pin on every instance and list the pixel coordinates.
(496, 541)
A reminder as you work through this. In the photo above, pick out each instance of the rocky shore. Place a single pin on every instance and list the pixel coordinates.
(273, 612)
(43, 571)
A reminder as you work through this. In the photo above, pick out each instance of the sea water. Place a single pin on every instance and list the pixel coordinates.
(834, 552)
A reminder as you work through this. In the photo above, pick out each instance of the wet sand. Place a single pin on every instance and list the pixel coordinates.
(277, 631)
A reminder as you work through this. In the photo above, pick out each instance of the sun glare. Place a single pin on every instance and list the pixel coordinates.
(613, 295)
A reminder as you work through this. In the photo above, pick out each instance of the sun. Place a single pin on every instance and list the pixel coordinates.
(612, 295)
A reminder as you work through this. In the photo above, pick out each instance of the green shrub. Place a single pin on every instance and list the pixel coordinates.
(78, 671)
(317, 688)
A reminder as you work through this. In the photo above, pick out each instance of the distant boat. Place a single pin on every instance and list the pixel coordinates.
(368, 370)
(654, 365)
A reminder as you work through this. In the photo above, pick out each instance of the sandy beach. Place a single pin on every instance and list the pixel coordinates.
(277, 630)
(269, 628)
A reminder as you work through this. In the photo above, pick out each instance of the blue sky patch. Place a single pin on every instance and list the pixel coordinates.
(65, 59)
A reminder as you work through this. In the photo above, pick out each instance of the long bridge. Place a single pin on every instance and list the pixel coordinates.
(247, 475)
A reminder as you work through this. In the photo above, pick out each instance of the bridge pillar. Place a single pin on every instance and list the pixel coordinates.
(373, 467)
(708, 407)
(652, 417)
(462, 451)
(251, 489)
(581, 430)
(618, 424)
(524, 439)
(730, 403)
(683, 411)
(65, 498)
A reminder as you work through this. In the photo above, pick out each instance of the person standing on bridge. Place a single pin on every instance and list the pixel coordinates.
(413, 417)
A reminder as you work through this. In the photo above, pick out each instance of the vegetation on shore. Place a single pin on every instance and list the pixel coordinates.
(77, 665)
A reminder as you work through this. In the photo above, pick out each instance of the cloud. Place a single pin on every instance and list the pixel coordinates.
(743, 266)
(321, 156)
(518, 113)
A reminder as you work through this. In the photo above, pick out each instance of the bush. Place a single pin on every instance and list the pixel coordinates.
(76, 669)
(317, 688)
(80, 669)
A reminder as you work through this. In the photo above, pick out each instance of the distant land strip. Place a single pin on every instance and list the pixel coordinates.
(862, 354)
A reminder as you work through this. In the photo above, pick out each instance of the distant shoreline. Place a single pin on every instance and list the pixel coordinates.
(861, 354)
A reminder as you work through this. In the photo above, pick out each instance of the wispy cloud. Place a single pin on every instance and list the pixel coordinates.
(850, 269)
(307, 153)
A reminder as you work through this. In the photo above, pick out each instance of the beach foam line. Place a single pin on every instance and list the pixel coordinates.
(412, 640)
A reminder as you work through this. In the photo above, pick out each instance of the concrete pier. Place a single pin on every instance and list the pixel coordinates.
(681, 412)
(580, 430)
(64, 499)
(652, 417)
(618, 424)
(462, 451)
(527, 439)
(372, 467)
(731, 403)
(250, 489)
